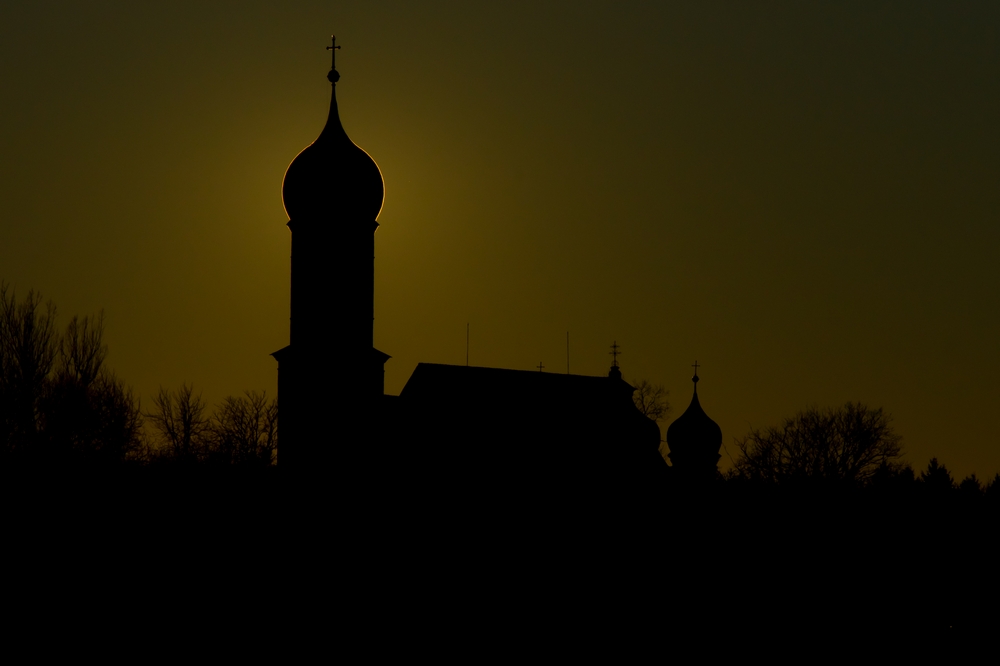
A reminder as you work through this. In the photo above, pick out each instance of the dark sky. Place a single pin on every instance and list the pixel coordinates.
(801, 196)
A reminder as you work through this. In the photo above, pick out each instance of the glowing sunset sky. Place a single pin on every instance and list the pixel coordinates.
(801, 196)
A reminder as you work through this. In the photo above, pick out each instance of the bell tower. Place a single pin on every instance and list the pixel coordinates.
(330, 375)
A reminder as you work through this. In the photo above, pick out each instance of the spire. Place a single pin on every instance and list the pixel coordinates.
(333, 181)
(333, 130)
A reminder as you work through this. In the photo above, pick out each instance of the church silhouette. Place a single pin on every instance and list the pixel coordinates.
(449, 422)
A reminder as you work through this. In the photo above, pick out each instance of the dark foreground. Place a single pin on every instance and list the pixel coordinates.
(432, 567)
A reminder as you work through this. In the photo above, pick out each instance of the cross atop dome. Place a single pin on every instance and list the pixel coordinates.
(333, 182)
(334, 75)
(333, 48)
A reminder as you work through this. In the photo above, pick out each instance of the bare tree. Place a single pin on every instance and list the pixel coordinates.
(120, 436)
(181, 428)
(28, 346)
(90, 415)
(846, 444)
(651, 400)
(244, 431)
(58, 403)
(82, 350)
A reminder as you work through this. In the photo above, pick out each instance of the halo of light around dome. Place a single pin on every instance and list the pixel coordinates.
(332, 181)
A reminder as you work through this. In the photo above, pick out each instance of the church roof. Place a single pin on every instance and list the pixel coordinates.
(544, 413)
(434, 379)
(522, 428)
(578, 406)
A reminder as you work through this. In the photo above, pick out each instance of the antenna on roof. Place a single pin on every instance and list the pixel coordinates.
(567, 352)
(466, 344)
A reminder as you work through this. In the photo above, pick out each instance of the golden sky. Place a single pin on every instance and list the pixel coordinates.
(801, 196)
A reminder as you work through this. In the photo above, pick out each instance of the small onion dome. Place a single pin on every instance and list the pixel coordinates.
(694, 436)
(332, 179)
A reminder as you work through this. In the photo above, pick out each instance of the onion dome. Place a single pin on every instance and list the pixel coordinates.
(694, 439)
(332, 179)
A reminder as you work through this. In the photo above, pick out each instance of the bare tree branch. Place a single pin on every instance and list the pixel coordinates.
(179, 422)
(651, 400)
(849, 444)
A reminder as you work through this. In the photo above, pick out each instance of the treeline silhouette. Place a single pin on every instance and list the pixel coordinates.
(820, 532)
(849, 447)
(893, 557)
(62, 407)
(243, 431)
